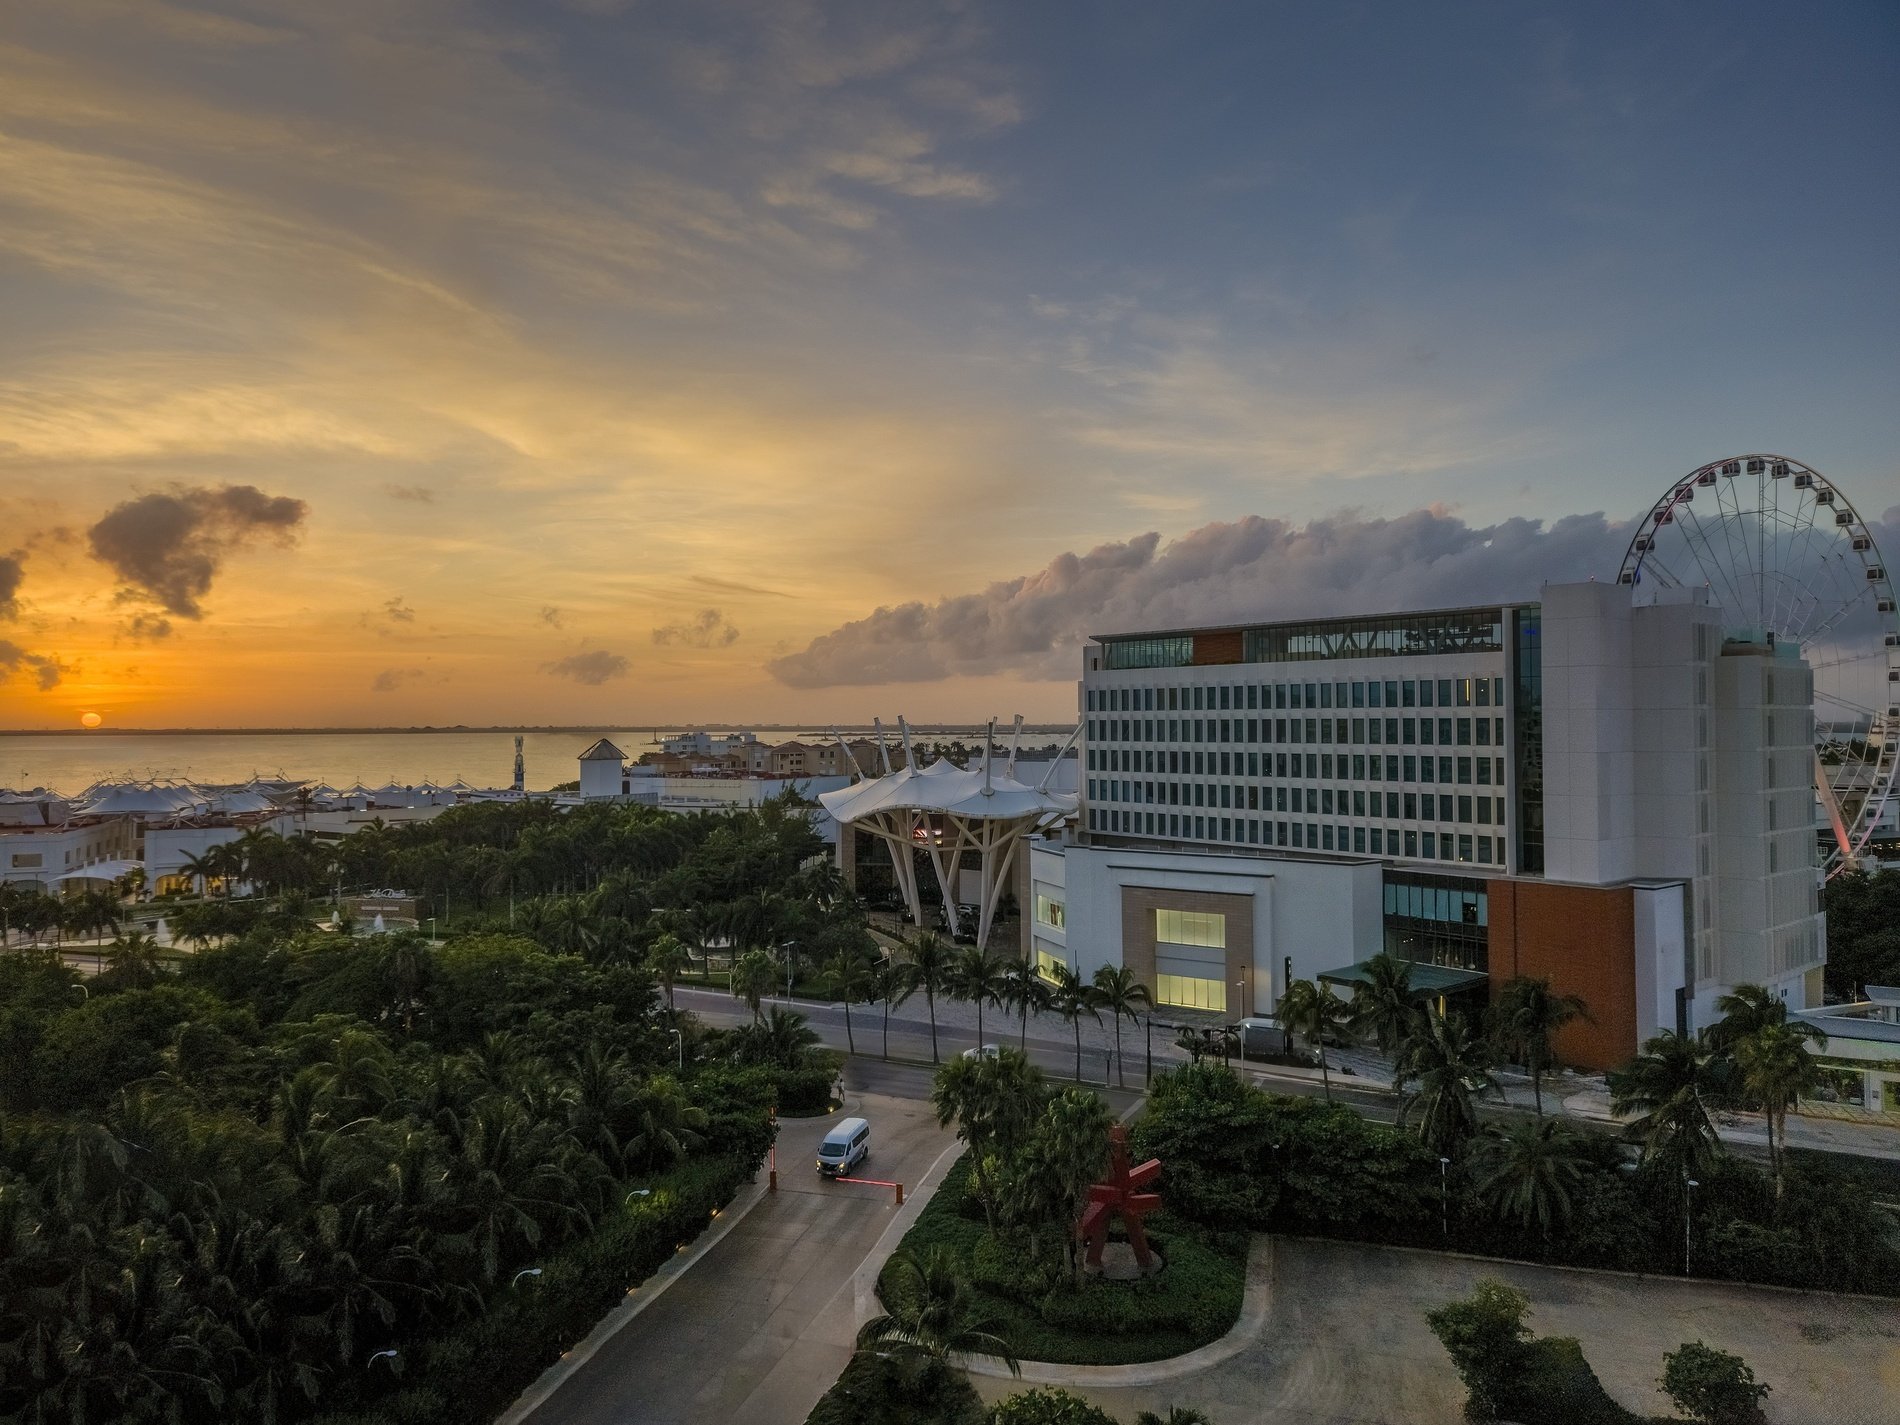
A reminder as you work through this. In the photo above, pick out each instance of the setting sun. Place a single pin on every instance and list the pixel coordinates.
(90, 719)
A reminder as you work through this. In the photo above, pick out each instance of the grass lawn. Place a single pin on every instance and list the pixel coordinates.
(1195, 1298)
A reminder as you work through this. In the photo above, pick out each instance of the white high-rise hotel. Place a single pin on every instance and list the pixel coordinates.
(1617, 796)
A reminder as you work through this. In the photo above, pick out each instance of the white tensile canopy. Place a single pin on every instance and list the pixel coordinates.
(947, 810)
(103, 871)
(143, 799)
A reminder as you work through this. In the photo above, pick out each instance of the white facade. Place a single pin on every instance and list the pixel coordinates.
(1318, 913)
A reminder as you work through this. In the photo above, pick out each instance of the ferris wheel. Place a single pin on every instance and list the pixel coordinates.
(1782, 549)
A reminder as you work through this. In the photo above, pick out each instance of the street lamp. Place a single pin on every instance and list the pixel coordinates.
(638, 1192)
(391, 1355)
(524, 1272)
(1444, 1198)
(1688, 1185)
(679, 1049)
(432, 939)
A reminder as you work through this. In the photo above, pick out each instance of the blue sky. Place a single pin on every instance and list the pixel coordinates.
(572, 325)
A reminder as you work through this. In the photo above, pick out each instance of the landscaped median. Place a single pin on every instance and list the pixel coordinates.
(1046, 1315)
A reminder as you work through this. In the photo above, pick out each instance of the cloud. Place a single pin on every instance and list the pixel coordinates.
(415, 494)
(149, 627)
(390, 679)
(12, 573)
(46, 671)
(594, 667)
(169, 547)
(396, 611)
(551, 616)
(1249, 570)
(709, 628)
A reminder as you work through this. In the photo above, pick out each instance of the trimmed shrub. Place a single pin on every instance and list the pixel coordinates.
(1712, 1386)
(1488, 1343)
(877, 1391)
(1048, 1405)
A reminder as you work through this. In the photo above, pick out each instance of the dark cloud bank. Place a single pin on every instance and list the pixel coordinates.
(168, 547)
(1251, 569)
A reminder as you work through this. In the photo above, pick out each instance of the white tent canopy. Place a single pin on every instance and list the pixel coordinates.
(103, 871)
(947, 810)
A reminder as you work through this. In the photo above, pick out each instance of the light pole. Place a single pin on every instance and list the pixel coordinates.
(1444, 1198)
(432, 939)
(524, 1272)
(380, 1355)
(1688, 1185)
(679, 1050)
(637, 1192)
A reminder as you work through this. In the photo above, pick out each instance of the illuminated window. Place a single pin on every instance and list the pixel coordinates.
(1050, 912)
(1191, 992)
(1047, 965)
(1191, 927)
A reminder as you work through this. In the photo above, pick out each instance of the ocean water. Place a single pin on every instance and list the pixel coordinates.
(70, 762)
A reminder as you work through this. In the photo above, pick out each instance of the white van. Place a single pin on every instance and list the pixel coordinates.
(846, 1146)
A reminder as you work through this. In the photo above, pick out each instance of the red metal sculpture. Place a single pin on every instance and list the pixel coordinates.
(1119, 1196)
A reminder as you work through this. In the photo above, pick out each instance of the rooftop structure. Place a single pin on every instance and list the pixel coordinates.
(947, 811)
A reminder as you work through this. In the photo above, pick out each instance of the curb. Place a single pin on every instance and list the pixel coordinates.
(637, 1300)
(1659, 1277)
(1247, 1329)
(864, 1279)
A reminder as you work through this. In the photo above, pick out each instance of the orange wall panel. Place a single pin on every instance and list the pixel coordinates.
(1583, 940)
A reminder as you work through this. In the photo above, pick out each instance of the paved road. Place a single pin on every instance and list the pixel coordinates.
(761, 1327)
(1345, 1342)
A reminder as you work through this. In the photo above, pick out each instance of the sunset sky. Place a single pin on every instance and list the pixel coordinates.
(401, 362)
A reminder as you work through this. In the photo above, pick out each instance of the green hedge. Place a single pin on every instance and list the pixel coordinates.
(883, 1392)
(477, 1370)
(1195, 1299)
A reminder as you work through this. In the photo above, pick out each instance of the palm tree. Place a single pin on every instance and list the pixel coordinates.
(754, 974)
(1665, 1083)
(1528, 1171)
(1452, 1067)
(1526, 1016)
(1122, 995)
(892, 981)
(666, 1124)
(1312, 1011)
(994, 1103)
(980, 978)
(930, 962)
(135, 960)
(852, 975)
(932, 1312)
(1745, 1010)
(1071, 999)
(1028, 994)
(668, 958)
(1776, 1070)
(1067, 1154)
(1177, 1415)
(1383, 1007)
(201, 867)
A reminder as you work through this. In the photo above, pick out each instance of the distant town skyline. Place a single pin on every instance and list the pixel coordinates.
(596, 363)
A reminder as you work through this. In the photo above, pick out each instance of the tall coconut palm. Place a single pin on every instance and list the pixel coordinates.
(135, 960)
(1525, 1019)
(1452, 1066)
(1028, 994)
(754, 974)
(201, 866)
(1122, 995)
(1067, 1153)
(851, 973)
(932, 1313)
(1529, 1171)
(931, 959)
(669, 958)
(1666, 1084)
(979, 978)
(1384, 1008)
(1311, 1010)
(892, 982)
(1070, 998)
(1776, 1070)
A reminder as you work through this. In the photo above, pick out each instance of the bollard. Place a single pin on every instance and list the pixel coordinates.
(771, 1184)
(900, 1193)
